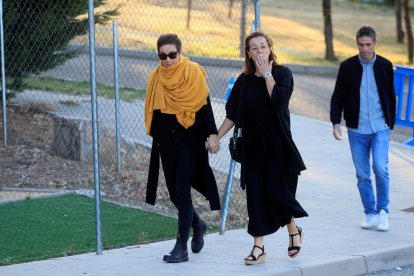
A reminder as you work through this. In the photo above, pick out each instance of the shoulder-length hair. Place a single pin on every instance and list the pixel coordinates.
(249, 64)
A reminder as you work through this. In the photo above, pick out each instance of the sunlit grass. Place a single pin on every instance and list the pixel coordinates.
(295, 26)
(297, 29)
(211, 33)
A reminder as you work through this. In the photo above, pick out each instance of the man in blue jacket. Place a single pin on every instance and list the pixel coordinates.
(364, 94)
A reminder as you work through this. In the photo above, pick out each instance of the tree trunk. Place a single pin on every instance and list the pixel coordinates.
(398, 20)
(189, 7)
(230, 8)
(327, 20)
(408, 30)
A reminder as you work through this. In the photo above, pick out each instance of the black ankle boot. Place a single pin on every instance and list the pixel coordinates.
(178, 254)
(197, 242)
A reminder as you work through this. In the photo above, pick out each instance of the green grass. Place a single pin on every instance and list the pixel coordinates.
(37, 229)
(82, 88)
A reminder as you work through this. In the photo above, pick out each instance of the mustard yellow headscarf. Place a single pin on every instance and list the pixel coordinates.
(180, 89)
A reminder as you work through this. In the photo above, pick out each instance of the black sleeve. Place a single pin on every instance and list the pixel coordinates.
(207, 117)
(392, 96)
(337, 99)
(282, 91)
(233, 100)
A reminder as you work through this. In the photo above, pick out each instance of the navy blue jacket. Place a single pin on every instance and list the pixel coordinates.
(346, 95)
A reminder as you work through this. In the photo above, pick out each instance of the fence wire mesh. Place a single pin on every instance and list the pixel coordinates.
(46, 172)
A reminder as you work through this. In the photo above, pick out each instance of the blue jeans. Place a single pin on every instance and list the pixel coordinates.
(361, 146)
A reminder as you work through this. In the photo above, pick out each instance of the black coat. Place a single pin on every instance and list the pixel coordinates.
(346, 95)
(205, 183)
(279, 112)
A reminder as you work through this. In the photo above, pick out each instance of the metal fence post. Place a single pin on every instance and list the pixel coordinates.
(257, 14)
(243, 27)
(117, 103)
(256, 23)
(227, 191)
(3, 77)
(226, 196)
(95, 128)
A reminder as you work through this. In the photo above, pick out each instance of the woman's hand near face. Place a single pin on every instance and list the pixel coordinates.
(263, 64)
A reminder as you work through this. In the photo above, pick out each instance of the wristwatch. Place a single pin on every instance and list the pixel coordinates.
(267, 75)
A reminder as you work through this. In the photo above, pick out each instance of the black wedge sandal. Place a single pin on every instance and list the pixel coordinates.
(253, 260)
(295, 247)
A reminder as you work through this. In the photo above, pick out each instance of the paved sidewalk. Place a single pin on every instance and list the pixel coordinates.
(333, 244)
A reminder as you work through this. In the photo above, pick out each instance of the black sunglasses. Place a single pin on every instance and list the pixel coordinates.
(171, 55)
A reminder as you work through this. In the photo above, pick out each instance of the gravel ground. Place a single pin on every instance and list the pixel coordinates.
(29, 165)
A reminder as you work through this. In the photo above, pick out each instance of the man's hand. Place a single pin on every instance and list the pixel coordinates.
(337, 132)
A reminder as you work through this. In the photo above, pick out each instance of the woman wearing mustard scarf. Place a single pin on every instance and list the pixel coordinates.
(179, 117)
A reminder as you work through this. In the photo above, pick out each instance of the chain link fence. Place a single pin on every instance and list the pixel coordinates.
(46, 170)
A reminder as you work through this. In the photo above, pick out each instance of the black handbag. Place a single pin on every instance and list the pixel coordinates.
(236, 141)
(236, 144)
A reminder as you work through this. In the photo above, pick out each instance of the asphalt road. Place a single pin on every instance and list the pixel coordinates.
(311, 96)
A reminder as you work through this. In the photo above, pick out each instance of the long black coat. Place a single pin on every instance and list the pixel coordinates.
(205, 183)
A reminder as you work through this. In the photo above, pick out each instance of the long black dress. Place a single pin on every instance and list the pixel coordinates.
(271, 162)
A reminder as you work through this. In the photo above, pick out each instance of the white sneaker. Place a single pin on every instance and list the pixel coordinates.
(383, 224)
(371, 221)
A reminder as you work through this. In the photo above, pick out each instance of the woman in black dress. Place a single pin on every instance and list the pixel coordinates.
(270, 162)
(179, 117)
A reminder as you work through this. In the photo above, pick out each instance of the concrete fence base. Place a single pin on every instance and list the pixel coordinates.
(72, 139)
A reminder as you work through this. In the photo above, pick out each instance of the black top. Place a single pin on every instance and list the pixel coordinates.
(346, 95)
(266, 120)
(263, 132)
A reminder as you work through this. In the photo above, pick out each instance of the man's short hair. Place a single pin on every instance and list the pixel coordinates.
(366, 31)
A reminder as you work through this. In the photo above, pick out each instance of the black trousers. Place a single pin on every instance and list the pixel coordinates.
(180, 162)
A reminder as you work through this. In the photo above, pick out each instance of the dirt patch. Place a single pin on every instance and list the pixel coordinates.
(29, 163)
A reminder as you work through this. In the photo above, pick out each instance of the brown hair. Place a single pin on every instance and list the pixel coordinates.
(169, 39)
(249, 65)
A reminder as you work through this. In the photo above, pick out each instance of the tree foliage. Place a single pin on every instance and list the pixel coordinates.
(36, 34)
